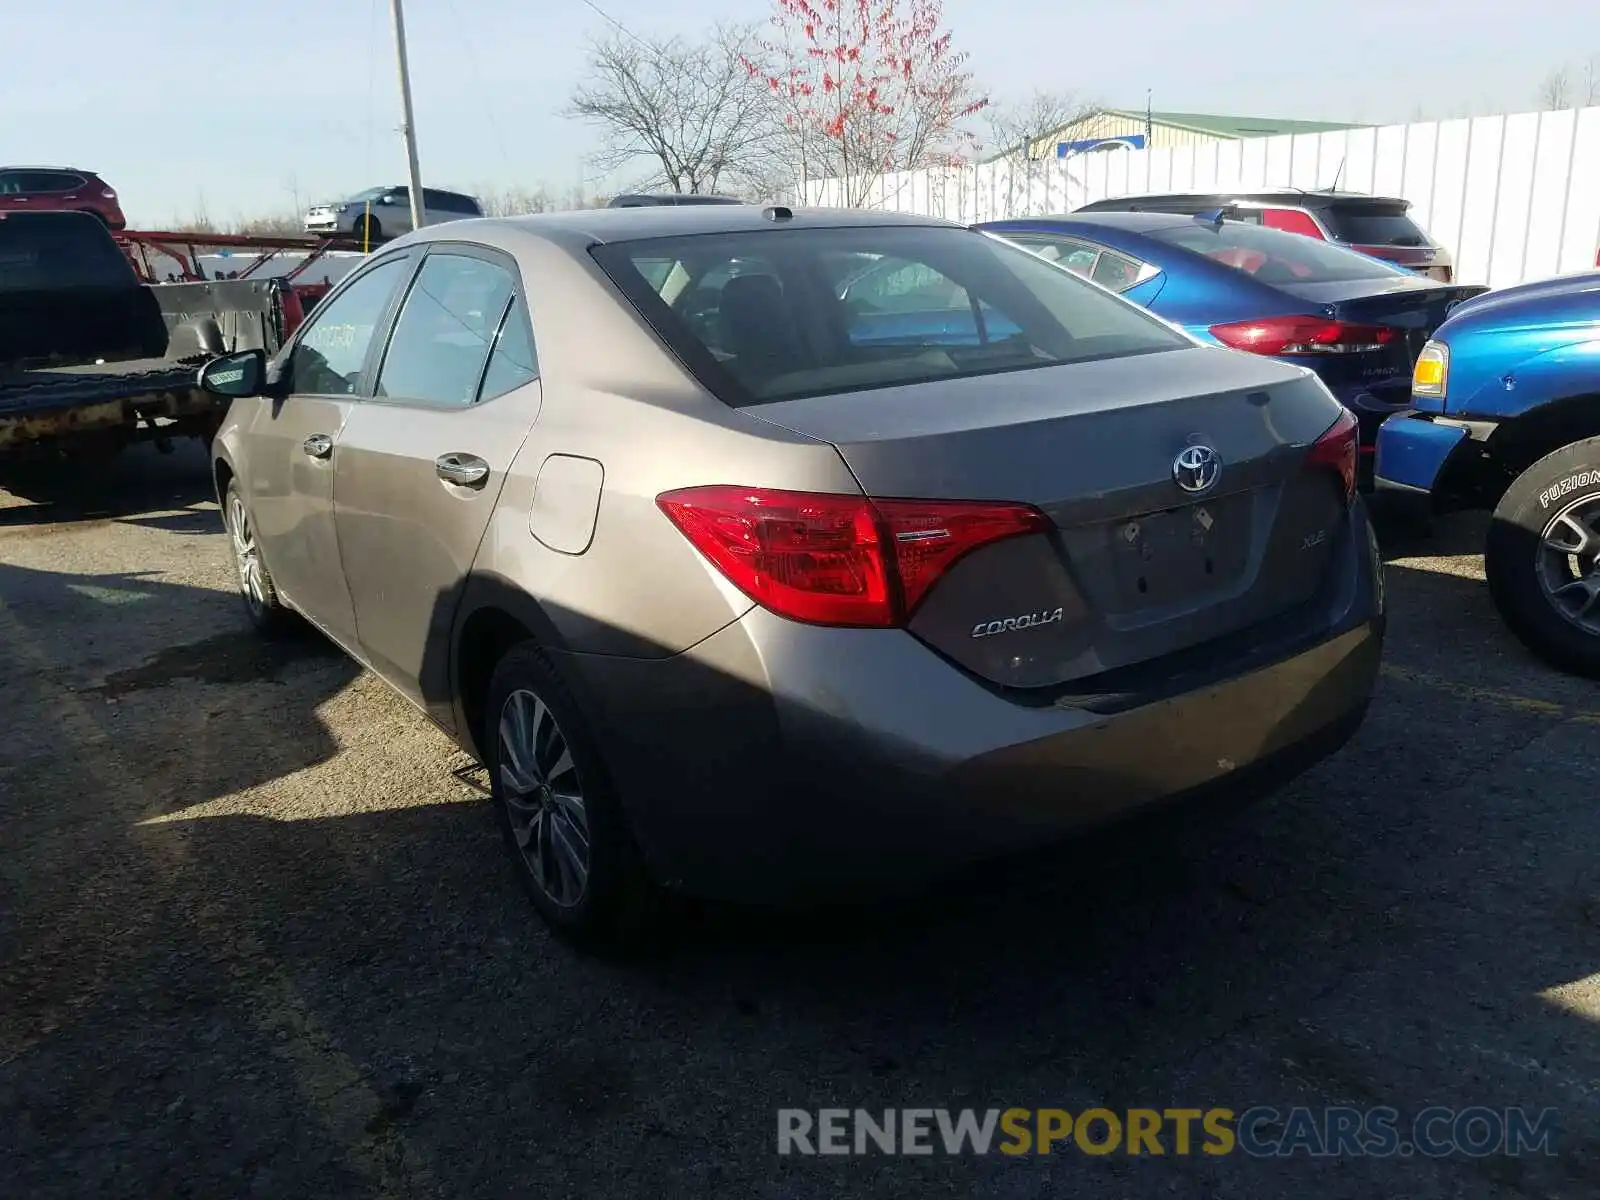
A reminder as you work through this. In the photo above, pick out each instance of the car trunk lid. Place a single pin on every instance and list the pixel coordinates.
(1411, 306)
(1134, 567)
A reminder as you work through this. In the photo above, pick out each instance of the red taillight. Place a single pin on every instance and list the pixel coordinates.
(1336, 448)
(838, 560)
(1302, 335)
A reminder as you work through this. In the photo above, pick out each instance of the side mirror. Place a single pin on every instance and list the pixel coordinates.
(235, 375)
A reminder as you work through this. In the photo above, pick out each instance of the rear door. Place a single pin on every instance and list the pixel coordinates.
(421, 461)
(291, 445)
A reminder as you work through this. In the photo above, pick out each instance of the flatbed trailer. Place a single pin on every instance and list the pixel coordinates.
(95, 356)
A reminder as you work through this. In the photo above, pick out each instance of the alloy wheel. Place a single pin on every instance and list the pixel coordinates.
(544, 798)
(1569, 563)
(246, 555)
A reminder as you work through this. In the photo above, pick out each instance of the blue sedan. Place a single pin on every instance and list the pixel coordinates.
(1357, 321)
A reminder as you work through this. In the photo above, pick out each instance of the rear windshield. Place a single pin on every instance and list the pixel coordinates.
(1273, 256)
(47, 251)
(1374, 225)
(786, 313)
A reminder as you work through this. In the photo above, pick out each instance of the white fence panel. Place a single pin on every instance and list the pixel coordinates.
(1511, 197)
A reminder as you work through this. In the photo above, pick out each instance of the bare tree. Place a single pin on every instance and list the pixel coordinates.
(1555, 90)
(1015, 127)
(693, 109)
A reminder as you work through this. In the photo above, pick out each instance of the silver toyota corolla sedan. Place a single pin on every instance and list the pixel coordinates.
(767, 553)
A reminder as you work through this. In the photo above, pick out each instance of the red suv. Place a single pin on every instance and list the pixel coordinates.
(47, 189)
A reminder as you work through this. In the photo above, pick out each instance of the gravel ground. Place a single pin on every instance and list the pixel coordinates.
(257, 937)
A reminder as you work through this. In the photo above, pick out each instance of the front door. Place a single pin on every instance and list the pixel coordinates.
(291, 447)
(421, 462)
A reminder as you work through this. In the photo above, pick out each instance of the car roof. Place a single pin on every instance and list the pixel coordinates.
(602, 225)
(1300, 197)
(45, 167)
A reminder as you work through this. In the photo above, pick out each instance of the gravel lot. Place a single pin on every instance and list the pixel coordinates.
(257, 937)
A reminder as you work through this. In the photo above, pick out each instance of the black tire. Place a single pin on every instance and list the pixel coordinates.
(368, 231)
(261, 602)
(618, 908)
(1531, 506)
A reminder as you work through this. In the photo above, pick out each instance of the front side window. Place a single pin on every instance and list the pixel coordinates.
(780, 314)
(328, 358)
(442, 338)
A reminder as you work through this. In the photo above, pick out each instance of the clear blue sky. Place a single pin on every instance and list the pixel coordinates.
(243, 107)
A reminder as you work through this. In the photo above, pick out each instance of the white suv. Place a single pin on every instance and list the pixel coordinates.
(385, 212)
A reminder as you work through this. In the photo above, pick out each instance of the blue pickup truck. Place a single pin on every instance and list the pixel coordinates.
(1505, 416)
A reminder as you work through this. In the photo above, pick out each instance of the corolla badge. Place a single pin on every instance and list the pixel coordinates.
(1197, 469)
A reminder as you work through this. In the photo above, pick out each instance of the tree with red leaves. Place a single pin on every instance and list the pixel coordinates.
(867, 87)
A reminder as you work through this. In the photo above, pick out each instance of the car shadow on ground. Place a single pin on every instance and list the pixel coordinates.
(172, 491)
(294, 1000)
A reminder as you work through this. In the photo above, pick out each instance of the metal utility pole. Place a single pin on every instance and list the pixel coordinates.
(408, 128)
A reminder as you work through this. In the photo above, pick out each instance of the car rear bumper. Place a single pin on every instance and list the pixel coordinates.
(779, 761)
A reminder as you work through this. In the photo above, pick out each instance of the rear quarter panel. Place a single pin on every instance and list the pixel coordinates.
(613, 395)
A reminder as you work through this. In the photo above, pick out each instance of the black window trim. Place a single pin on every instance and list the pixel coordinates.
(458, 249)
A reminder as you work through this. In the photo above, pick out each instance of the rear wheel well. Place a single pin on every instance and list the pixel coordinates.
(485, 638)
(1479, 480)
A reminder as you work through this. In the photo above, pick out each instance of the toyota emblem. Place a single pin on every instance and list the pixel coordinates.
(1197, 469)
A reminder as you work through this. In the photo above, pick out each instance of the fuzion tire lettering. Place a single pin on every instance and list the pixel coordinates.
(1567, 486)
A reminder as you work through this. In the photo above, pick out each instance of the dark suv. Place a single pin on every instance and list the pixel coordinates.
(59, 189)
(1380, 226)
(648, 199)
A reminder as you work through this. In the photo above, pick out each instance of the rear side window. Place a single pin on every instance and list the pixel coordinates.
(1109, 268)
(59, 250)
(1290, 220)
(512, 362)
(450, 202)
(1077, 257)
(45, 182)
(448, 322)
(1375, 225)
(1272, 256)
(782, 314)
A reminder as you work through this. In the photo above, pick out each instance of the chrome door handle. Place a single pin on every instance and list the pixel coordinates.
(464, 470)
(318, 445)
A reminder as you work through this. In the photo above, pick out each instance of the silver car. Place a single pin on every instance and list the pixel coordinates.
(385, 212)
(768, 554)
